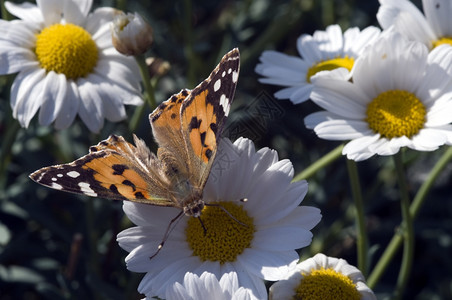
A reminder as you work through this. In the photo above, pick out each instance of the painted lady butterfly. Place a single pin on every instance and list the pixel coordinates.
(187, 128)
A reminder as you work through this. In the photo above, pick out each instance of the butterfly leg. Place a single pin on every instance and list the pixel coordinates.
(168, 231)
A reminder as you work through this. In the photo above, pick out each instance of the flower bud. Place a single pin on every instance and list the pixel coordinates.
(131, 35)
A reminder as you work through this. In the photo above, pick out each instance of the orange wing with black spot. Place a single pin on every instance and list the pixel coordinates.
(166, 128)
(204, 113)
(113, 169)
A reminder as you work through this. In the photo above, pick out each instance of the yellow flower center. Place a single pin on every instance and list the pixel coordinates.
(225, 237)
(443, 40)
(326, 284)
(66, 49)
(396, 113)
(331, 64)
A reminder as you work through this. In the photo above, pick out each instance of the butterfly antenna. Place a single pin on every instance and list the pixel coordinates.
(228, 213)
(168, 231)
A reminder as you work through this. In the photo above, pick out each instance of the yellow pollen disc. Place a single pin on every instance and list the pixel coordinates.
(66, 49)
(326, 284)
(441, 41)
(331, 64)
(225, 237)
(396, 113)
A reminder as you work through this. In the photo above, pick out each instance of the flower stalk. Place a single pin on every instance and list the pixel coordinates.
(361, 236)
(415, 207)
(407, 227)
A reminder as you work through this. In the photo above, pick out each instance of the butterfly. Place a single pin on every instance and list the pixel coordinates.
(187, 128)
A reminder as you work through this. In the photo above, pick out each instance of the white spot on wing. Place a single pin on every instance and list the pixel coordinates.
(86, 189)
(60, 175)
(235, 76)
(229, 71)
(73, 174)
(217, 85)
(224, 102)
(223, 74)
(56, 186)
(54, 179)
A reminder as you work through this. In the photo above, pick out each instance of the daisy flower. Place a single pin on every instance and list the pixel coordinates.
(401, 96)
(323, 51)
(433, 29)
(254, 239)
(67, 64)
(207, 286)
(322, 278)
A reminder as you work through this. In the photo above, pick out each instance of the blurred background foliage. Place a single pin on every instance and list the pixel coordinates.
(56, 245)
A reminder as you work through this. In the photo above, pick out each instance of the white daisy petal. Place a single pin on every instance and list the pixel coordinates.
(91, 110)
(304, 217)
(19, 60)
(18, 35)
(440, 113)
(437, 14)
(27, 82)
(98, 21)
(405, 18)
(54, 97)
(342, 129)
(250, 282)
(291, 237)
(270, 265)
(286, 93)
(353, 148)
(52, 10)
(284, 205)
(178, 291)
(25, 11)
(70, 107)
(346, 97)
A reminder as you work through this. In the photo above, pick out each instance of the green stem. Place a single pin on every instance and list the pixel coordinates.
(5, 14)
(320, 163)
(428, 183)
(148, 92)
(407, 226)
(415, 207)
(361, 239)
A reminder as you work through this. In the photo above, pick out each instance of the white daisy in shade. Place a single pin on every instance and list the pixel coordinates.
(255, 239)
(322, 278)
(401, 96)
(67, 64)
(207, 286)
(323, 51)
(433, 29)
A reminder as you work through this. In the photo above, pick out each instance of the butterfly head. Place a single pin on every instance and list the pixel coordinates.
(193, 204)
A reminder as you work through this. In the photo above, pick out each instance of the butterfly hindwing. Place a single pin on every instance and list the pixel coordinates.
(166, 128)
(113, 169)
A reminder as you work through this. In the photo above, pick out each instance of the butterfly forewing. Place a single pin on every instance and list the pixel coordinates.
(113, 169)
(204, 113)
